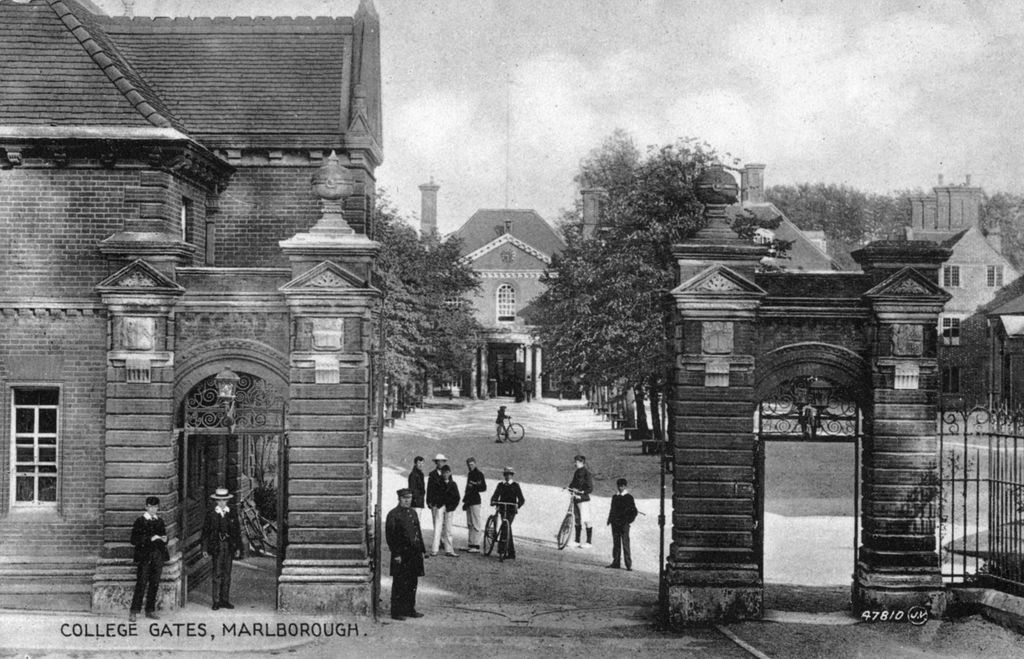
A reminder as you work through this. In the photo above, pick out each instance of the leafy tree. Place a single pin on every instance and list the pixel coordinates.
(429, 330)
(1006, 211)
(605, 315)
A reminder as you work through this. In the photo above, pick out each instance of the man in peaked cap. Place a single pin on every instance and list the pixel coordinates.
(405, 542)
(508, 492)
(222, 539)
(435, 501)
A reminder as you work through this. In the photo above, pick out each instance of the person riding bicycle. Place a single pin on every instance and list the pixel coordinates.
(500, 424)
(508, 492)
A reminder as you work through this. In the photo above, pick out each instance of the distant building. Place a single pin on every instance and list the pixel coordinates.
(974, 275)
(510, 249)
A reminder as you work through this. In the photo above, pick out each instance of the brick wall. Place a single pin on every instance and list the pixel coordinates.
(262, 206)
(51, 221)
(67, 349)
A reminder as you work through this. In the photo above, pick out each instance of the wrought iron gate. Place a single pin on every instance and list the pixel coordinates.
(807, 409)
(241, 441)
(981, 499)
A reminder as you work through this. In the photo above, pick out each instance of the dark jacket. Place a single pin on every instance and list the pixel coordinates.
(623, 510)
(435, 490)
(501, 417)
(451, 495)
(402, 533)
(220, 529)
(419, 490)
(582, 481)
(475, 484)
(508, 493)
(143, 531)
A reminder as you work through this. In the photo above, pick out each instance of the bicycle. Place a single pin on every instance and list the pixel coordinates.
(493, 535)
(569, 521)
(512, 432)
(257, 528)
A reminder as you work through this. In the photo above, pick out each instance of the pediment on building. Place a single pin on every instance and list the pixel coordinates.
(508, 249)
(718, 280)
(328, 276)
(139, 278)
(907, 283)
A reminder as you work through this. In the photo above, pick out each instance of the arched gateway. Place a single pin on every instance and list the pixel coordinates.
(784, 345)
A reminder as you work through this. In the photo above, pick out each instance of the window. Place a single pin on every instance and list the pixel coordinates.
(35, 445)
(994, 276)
(506, 303)
(951, 276)
(187, 222)
(950, 331)
(950, 379)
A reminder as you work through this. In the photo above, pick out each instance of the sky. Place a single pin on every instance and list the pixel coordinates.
(499, 100)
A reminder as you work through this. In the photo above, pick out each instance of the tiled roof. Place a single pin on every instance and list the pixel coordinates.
(58, 67)
(488, 224)
(247, 81)
(803, 255)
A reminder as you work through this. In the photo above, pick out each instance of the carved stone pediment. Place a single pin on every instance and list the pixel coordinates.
(326, 277)
(718, 280)
(141, 279)
(907, 283)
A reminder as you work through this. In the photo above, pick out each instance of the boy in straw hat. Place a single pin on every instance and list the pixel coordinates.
(222, 539)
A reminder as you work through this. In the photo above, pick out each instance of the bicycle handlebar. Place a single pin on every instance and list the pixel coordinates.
(504, 503)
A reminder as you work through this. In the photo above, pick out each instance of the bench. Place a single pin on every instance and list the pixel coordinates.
(632, 434)
(389, 423)
(618, 422)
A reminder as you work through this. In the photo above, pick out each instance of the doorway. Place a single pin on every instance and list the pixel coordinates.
(243, 447)
(808, 495)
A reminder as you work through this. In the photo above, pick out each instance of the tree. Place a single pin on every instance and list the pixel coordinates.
(429, 330)
(1006, 211)
(605, 316)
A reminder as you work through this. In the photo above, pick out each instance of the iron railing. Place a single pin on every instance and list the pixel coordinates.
(981, 502)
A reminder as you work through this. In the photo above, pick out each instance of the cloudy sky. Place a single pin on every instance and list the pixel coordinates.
(877, 94)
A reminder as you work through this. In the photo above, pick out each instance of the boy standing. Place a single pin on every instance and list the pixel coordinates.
(509, 492)
(451, 503)
(222, 539)
(149, 537)
(583, 485)
(500, 424)
(475, 484)
(417, 485)
(435, 500)
(620, 516)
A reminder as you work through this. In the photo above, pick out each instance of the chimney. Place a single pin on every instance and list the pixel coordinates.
(428, 207)
(752, 184)
(917, 211)
(593, 200)
(995, 238)
(940, 180)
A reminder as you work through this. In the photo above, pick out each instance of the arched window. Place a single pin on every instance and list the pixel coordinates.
(506, 302)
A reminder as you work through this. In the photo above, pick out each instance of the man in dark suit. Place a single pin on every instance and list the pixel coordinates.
(149, 537)
(405, 542)
(508, 492)
(222, 539)
(622, 513)
(417, 484)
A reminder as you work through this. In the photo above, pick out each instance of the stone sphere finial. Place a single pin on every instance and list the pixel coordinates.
(331, 181)
(716, 187)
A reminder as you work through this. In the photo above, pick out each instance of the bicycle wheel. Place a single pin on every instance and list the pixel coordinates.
(504, 537)
(565, 532)
(515, 432)
(490, 534)
(253, 533)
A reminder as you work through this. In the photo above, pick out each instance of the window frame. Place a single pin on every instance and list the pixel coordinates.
(994, 276)
(58, 440)
(947, 380)
(954, 325)
(951, 272)
(507, 305)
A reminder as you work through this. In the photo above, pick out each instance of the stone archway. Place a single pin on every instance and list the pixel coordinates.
(740, 333)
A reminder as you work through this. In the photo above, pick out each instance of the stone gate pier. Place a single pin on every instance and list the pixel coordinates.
(743, 335)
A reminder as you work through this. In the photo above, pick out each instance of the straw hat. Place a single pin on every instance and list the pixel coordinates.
(222, 494)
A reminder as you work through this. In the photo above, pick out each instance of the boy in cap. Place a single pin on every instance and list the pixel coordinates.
(451, 504)
(622, 513)
(149, 537)
(584, 485)
(435, 500)
(417, 484)
(222, 539)
(405, 542)
(509, 492)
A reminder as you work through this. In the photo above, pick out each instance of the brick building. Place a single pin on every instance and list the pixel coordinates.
(974, 276)
(160, 229)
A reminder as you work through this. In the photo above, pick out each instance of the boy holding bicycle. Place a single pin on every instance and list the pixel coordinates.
(500, 424)
(508, 492)
(583, 485)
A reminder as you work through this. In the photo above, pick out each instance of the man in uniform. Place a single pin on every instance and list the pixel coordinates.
(149, 537)
(222, 539)
(405, 542)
